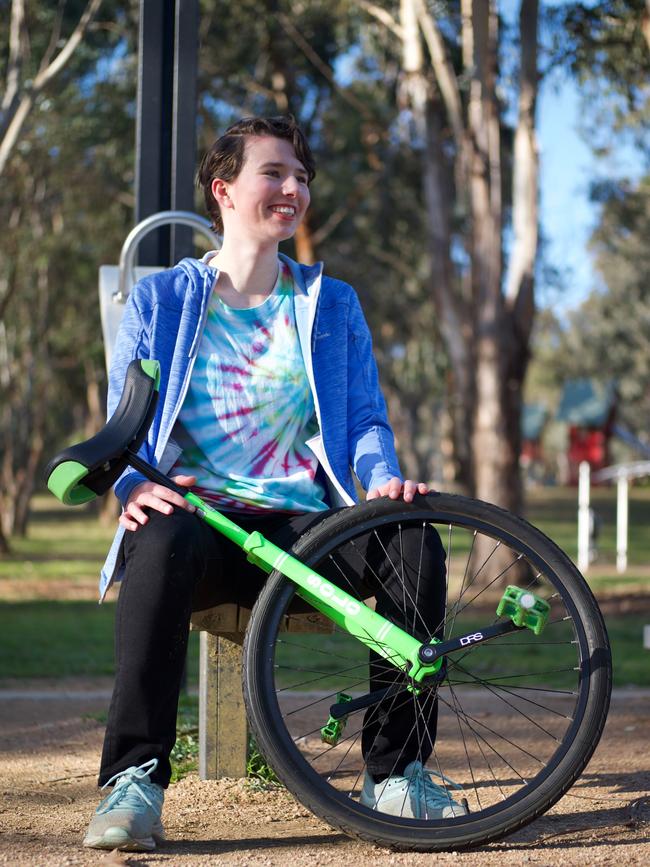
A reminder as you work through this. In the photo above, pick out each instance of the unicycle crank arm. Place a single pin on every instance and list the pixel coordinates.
(343, 708)
(431, 652)
(428, 653)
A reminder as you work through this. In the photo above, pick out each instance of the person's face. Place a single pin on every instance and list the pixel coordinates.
(269, 197)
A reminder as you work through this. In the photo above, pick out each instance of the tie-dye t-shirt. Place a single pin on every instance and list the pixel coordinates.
(249, 410)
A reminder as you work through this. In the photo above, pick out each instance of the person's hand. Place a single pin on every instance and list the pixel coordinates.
(150, 495)
(395, 487)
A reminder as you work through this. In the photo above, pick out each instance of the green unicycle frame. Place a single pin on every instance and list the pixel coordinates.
(376, 632)
(418, 660)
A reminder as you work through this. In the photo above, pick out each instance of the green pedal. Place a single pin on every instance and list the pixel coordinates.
(524, 608)
(331, 731)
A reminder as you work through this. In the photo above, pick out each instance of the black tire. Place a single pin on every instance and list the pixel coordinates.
(519, 716)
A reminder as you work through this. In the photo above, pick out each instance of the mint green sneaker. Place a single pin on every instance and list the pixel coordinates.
(411, 796)
(129, 818)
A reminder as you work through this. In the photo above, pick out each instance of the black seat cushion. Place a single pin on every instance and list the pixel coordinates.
(104, 454)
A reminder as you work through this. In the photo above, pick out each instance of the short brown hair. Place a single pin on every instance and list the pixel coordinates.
(225, 158)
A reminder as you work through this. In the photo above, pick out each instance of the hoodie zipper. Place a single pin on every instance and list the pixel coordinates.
(309, 370)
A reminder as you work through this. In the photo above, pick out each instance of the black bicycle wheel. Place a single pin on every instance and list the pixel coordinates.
(518, 717)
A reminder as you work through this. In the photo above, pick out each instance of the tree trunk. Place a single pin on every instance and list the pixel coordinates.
(95, 401)
(454, 316)
(520, 299)
(304, 241)
(4, 545)
(26, 481)
(494, 461)
(416, 92)
(486, 333)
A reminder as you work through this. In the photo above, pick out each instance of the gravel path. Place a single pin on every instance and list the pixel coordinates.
(49, 747)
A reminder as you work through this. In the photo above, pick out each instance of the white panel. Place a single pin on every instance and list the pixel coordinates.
(112, 311)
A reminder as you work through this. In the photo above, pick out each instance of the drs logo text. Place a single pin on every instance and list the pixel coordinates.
(468, 639)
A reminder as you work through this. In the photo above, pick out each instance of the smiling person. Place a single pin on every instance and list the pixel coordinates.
(269, 400)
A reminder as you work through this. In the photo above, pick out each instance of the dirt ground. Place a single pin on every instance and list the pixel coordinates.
(49, 747)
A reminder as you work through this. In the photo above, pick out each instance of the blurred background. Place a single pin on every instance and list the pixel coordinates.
(483, 182)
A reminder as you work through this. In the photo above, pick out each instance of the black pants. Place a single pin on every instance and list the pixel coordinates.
(176, 564)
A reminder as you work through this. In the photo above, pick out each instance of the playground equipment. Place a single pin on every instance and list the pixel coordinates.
(116, 281)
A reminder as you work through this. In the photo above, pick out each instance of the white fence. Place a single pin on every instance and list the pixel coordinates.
(621, 473)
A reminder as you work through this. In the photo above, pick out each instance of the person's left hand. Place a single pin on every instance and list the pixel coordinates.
(394, 487)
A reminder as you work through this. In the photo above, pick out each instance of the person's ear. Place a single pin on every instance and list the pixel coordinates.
(219, 190)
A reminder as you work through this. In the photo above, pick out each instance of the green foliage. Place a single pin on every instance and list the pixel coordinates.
(605, 46)
(608, 337)
(185, 753)
(258, 772)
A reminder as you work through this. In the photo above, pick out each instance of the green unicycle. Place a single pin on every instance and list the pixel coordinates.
(509, 694)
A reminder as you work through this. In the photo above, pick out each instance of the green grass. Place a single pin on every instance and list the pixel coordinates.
(630, 661)
(41, 637)
(555, 511)
(323, 654)
(61, 542)
(63, 639)
(260, 774)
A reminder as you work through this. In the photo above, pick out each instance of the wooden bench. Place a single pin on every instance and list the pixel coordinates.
(223, 731)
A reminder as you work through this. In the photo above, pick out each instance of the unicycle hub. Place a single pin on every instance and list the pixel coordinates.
(427, 653)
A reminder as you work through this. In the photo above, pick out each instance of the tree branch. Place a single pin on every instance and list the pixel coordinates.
(360, 190)
(299, 40)
(383, 16)
(54, 37)
(15, 54)
(16, 115)
(444, 71)
(47, 74)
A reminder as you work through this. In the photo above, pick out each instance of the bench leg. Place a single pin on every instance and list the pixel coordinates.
(223, 730)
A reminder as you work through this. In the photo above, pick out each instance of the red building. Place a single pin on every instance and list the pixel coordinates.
(589, 409)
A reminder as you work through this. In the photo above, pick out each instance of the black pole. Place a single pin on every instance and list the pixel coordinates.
(166, 122)
(183, 156)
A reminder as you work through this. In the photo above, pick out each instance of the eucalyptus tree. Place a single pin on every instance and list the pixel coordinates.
(66, 204)
(43, 39)
(607, 338)
(449, 87)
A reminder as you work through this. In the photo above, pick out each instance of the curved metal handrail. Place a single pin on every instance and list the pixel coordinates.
(155, 221)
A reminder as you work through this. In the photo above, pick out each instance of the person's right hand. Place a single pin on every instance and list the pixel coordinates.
(150, 495)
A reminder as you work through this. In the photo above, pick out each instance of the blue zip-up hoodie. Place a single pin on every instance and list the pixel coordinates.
(164, 319)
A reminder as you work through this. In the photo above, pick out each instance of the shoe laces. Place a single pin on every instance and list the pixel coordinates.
(424, 789)
(129, 784)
